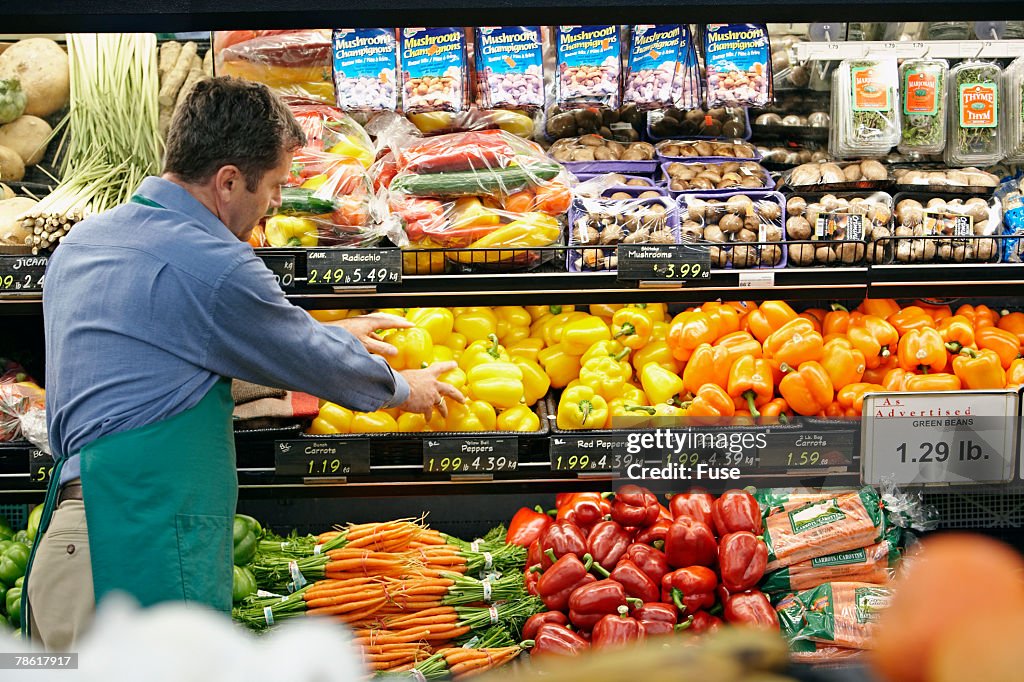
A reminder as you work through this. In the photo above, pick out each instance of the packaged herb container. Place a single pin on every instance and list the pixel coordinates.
(974, 103)
(1011, 121)
(865, 108)
(923, 85)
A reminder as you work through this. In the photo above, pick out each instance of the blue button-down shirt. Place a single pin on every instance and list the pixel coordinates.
(146, 308)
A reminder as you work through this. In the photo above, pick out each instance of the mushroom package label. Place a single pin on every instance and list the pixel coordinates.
(653, 65)
(588, 66)
(365, 68)
(738, 64)
(510, 67)
(433, 69)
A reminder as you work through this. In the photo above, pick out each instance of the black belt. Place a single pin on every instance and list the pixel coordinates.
(70, 491)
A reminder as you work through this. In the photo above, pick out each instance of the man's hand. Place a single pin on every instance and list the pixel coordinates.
(426, 392)
(365, 327)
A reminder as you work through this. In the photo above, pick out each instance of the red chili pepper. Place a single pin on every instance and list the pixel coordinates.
(607, 542)
(690, 589)
(704, 622)
(526, 526)
(742, 559)
(557, 640)
(561, 538)
(695, 505)
(558, 582)
(751, 608)
(737, 510)
(534, 622)
(636, 583)
(591, 603)
(617, 631)
(655, 534)
(635, 506)
(584, 509)
(657, 618)
(690, 543)
(648, 559)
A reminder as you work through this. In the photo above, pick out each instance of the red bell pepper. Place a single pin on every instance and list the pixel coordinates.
(648, 559)
(607, 542)
(690, 589)
(737, 510)
(592, 602)
(534, 554)
(534, 622)
(475, 150)
(654, 535)
(530, 580)
(751, 608)
(558, 582)
(557, 640)
(690, 543)
(742, 559)
(584, 509)
(559, 539)
(635, 506)
(636, 583)
(526, 526)
(704, 622)
(695, 505)
(657, 618)
(616, 631)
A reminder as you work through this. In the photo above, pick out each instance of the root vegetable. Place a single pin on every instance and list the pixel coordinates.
(11, 166)
(41, 66)
(28, 136)
(12, 229)
(176, 77)
(208, 63)
(169, 52)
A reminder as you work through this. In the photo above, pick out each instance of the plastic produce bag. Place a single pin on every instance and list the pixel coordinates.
(464, 221)
(706, 149)
(743, 230)
(653, 65)
(867, 174)
(510, 67)
(687, 89)
(738, 64)
(923, 96)
(782, 500)
(434, 69)
(590, 148)
(329, 129)
(976, 95)
(289, 62)
(588, 66)
(365, 64)
(865, 108)
(842, 614)
(729, 123)
(872, 564)
(846, 228)
(968, 180)
(735, 176)
(17, 401)
(957, 230)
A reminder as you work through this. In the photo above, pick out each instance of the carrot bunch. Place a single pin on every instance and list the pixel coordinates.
(465, 662)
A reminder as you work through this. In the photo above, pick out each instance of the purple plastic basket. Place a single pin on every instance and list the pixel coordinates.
(746, 136)
(577, 210)
(755, 195)
(583, 177)
(768, 185)
(635, 192)
(644, 168)
(662, 157)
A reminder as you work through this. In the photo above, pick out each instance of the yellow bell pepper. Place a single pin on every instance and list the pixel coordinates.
(374, 422)
(634, 326)
(623, 414)
(555, 327)
(581, 408)
(415, 349)
(658, 312)
(397, 312)
(559, 365)
(457, 342)
(414, 262)
(605, 310)
(412, 422)
(332, 315)
(581, 334)
(480, 352)
(659, 384)
(519, 418)
(333, 418)
(438, 322)
(442, 354)
(659, 353)
(528, 349)
(538, 311)
(606, 375)
(634, 395)
(469, 211)
(535, 380)
(530, 230)
(454, 377)
(513, 323)
(499, 383)
(605, 349)
(476, 324)
(474, 415)
(286, 230)
(348, 146)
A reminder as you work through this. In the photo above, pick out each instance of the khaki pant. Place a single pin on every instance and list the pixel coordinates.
(60, 588)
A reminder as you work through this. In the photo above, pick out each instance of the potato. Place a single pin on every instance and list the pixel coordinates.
(41, 66)
(11, 231)
(11, 166)
(28, 136)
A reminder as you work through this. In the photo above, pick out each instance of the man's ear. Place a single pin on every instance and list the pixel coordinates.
(228, 180)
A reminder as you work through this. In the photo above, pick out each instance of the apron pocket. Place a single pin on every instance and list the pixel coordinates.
(204, 554)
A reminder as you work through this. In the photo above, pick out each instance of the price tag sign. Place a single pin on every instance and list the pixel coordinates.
(21, 274)
(939, 438)
(353, 267)
(668, 262)
(470, 455)
(40, 467)
(608, 452)
(322, 458)
(283, 268)
(808, 447)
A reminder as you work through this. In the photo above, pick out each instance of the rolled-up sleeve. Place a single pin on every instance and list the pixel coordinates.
(258, 336)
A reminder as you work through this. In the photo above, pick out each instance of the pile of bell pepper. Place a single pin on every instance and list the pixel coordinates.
(613, 569)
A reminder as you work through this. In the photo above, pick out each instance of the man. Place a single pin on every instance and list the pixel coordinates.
(146, 309)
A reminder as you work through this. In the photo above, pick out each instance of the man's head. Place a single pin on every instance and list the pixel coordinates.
(231, 144)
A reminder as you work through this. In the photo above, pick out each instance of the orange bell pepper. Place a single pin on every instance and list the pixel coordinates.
(980, 316)
(844, 363)
(851, 396)
(879, 307)
(932, 382)
(1013, 323)
(834, 411)
(632, 326)
(690, 329)
(838, 320)
(776, 409)
(816, 316)
(896, 379)
(876, 375)
(710, 401)
(768, 318)
(1005, 343)
(751, 383)
(808, 389)
(922, 350)
(702, 369)
(957, 333)
(726, 318)
(979, 369)
(794, 343)
(937, 312)
(875, 338)
(1015, 373)
(911, 317)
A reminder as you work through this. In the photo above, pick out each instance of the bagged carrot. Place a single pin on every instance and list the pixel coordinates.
(778, 500)
(872, 564)
(842, 614)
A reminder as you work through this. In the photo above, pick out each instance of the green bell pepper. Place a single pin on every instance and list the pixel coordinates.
(22, 537)
(245, 549)
(4, 544)
(254, 525)
(34, 517)
(243, 584)
(3, 596)
(13, 602)
(13, 563)
(20, 582)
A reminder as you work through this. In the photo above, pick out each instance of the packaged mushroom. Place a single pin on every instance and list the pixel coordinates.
(867, 174)
(927, 228)
(597, 226)
(653, 60)
(709, 177)
(738, 65)
(433, 69)
(624, 124)
(838, 229)
(706, 149)
(588, 66)
(966, 180)
(591, 153)
(742, 230)
(598, 184)
(718, 123)
(510, 67)
(779, 158)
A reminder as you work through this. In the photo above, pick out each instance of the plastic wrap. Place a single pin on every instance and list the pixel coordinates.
(842, 614)
(926, 215)
(434, 69)
(976, 96)
(687, 93)
(702, 124)
(670, 150)
(873, 564)
(1011, 121)
(825, 219)
(18, 399)
(777, 156)
(464, 221)
(1011, 196)
(594, 185)
(294, 63)
(510, 67)
(923, 96)
(588, 66)
(653, 65)
(736, 176)
(597, 226)
(625, 124)
(967, 180)
(868, 174)
(865, 108)
(329, 129)
(782, 500)
(788, 74)
(738, 65)
(743, 230)
(593, 153)
(365, 69)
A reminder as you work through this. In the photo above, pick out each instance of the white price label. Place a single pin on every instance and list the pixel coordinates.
(761, 279)
(960, 437)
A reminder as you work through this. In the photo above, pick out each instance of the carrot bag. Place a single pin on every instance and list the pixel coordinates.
(872, 564)
(842, 614)
(778, 500)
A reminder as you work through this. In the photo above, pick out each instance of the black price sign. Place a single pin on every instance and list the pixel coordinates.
(40, 466)
(808, 448)
(283, 268)
(470, 455)
(592, 453)
(353, 267)
(20, 274)
(320, 458)
(669, 262)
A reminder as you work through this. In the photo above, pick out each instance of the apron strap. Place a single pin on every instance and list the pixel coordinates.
(139, 199)
(49, 506)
